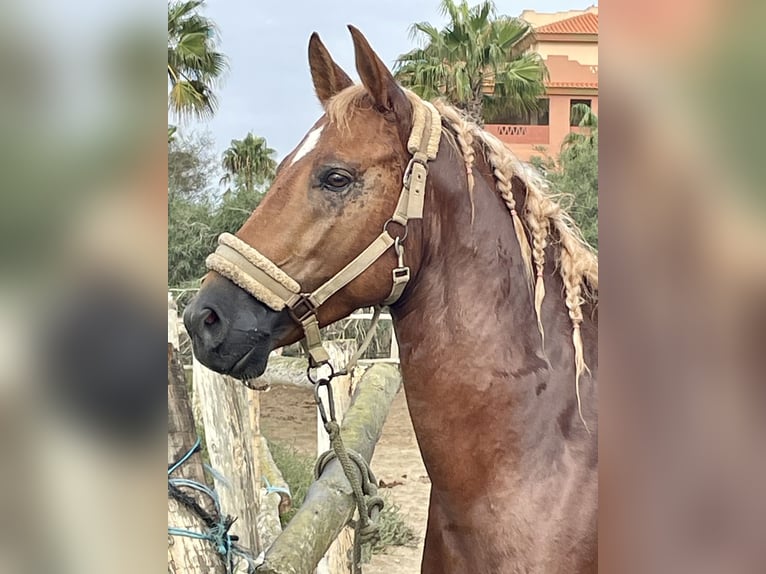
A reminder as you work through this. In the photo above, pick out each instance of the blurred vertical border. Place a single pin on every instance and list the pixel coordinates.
(683, 287)
(83, 285)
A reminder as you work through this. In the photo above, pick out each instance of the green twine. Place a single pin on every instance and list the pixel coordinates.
(218, 529)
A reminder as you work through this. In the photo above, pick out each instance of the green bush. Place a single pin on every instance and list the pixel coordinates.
(574, 174)
(298, 471)
(394, 531)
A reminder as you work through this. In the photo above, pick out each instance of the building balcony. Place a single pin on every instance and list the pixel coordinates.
(520, 134)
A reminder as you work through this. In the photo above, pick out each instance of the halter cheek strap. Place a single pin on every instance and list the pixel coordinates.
(249, 269)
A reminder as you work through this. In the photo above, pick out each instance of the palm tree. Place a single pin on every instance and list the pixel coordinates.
(248, 162)
(195, 65)
(583, 115)
(474, 61)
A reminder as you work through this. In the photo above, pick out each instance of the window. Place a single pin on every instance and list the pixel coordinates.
(538, 117)
(541, 116)
(574, 115)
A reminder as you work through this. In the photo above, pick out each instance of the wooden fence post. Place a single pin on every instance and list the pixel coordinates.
(394, 354)
(233, 449)
(185, 555)
(173, 337)
(273, 504)
(337, 561)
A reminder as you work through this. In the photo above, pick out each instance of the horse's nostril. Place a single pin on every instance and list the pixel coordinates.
(210, 317)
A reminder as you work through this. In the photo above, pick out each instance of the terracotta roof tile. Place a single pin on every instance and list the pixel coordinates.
(583, 24)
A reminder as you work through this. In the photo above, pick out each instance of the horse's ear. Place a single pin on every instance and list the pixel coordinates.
(328, 77)
(378, 80)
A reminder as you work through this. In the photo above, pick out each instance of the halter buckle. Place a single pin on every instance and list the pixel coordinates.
(401, 274)
(408, 169)
(301, 314)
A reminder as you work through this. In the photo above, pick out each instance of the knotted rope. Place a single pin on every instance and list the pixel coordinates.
(355, 468)
(360, 477)
(217, 526)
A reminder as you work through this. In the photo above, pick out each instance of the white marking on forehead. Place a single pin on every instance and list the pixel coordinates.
(309, 143)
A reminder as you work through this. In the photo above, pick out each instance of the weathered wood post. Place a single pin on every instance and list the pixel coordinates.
(233, 450)
(273, 504)
(337, 561)
(283, 371)
(173, 337)
(394, 354)
(185, 555)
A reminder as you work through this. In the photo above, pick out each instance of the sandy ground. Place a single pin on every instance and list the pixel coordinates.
(288, 414)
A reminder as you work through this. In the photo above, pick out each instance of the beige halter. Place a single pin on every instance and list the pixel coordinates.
(264, 280)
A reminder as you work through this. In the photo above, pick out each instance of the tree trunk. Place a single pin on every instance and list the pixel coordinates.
(283, 371)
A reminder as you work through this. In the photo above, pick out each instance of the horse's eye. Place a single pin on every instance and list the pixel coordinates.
(336, 180)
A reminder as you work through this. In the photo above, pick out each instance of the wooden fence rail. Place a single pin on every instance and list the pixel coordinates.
(329, 503)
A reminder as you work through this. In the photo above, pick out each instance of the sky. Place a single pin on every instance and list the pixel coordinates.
(268, 88)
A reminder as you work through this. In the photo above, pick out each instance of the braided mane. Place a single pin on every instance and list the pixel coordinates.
(542, 221)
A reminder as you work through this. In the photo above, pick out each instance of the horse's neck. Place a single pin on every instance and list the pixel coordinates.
(471, 353)
(471, 285)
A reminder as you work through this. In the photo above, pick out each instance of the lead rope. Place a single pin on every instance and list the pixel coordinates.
(355, 467)
(365, 342)
(217, 524)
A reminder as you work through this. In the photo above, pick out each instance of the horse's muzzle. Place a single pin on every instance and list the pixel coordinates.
(232, 332)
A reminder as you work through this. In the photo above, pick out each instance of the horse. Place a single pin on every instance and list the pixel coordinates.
(493, 295)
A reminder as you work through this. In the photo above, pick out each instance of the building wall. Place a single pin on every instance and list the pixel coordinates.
(572, 62)
(559, 114)
(584, 52)
(523, 140)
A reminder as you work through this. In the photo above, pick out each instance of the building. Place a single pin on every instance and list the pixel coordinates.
(568, 42)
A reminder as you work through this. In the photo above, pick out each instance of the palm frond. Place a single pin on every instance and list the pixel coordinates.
(476, 45)
(195, 66)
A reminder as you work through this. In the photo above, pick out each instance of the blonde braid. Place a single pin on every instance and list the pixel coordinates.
(465, 141)
(578, 265)
(539, 225)
(504, 186)
(572, 276)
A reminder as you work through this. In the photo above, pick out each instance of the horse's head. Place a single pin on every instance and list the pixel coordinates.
(332, 197)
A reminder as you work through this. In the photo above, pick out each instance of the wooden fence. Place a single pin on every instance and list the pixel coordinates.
(316, 540)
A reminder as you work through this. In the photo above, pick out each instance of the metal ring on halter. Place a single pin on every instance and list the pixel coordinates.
(320, 380)
(400, 238)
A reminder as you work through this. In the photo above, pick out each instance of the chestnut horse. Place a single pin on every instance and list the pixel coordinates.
(497, 324)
